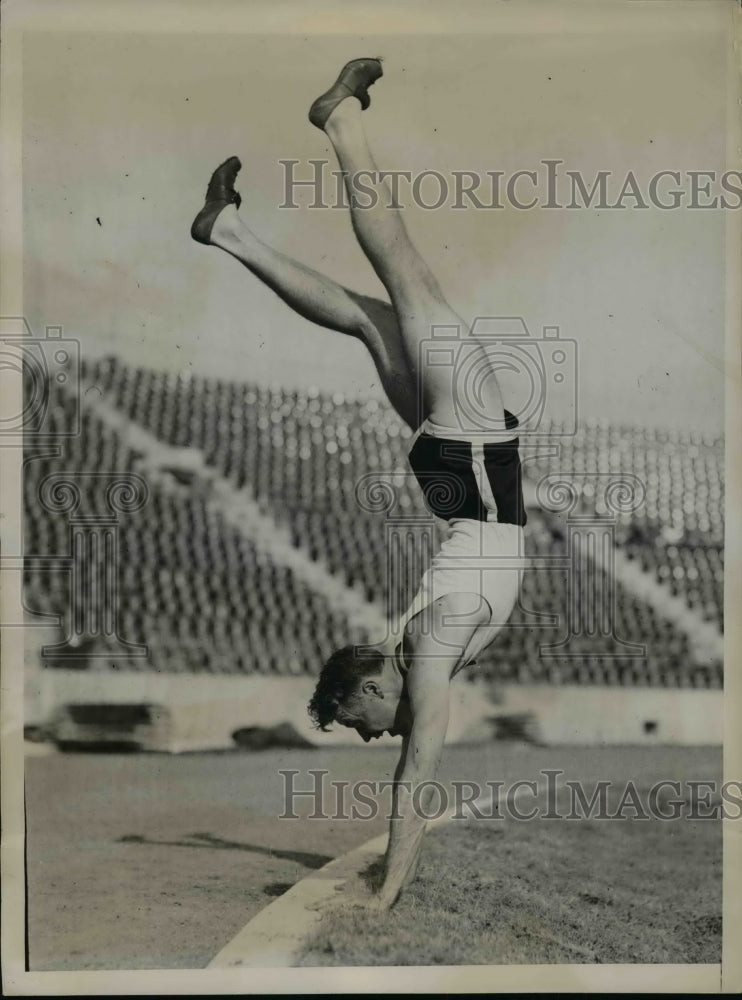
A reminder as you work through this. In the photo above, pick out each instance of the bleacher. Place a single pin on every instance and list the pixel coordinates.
(194, 589)
(678, 533)
(203, 597)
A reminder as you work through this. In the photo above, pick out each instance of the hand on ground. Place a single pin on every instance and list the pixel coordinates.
(354, 894)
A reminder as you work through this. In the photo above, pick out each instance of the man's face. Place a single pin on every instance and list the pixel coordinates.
(372, 711)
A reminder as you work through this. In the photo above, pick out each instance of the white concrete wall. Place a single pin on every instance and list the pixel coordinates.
(585, 714)
(206, 709)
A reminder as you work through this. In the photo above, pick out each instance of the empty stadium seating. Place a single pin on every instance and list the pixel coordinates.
(202, 596)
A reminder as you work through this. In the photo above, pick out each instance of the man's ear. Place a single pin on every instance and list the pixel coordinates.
(370, 686)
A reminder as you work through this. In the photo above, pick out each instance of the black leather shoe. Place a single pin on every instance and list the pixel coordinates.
(354, 80)
(219, 194)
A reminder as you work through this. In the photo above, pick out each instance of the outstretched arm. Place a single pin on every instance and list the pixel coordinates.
(437, 652)
(395, 810)
(412, 802)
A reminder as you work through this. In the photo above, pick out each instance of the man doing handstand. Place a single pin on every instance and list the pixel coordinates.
(470, 477)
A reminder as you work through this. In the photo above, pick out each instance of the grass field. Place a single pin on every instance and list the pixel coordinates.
(546, 891)
(150, 861)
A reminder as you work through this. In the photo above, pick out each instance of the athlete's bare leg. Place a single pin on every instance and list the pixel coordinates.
(416, 296)
(326, 303)
(392, 333)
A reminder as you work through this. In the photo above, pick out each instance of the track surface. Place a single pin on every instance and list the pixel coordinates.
(149, 861)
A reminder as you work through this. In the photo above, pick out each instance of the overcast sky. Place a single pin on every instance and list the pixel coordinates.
(127, 128)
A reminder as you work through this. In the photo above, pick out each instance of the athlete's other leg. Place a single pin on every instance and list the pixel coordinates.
(309, 293)
(326, 303)
(413, 289)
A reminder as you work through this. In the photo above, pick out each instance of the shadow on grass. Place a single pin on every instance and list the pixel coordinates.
(208, 840)
(276, 889)
(373, 875)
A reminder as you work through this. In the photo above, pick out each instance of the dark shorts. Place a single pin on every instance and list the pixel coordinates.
(472, 479)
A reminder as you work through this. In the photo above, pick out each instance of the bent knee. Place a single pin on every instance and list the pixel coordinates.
(425, 305)
(376, 318)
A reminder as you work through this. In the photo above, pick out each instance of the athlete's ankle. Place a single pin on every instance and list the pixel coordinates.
(348, 110)
(227, 226)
